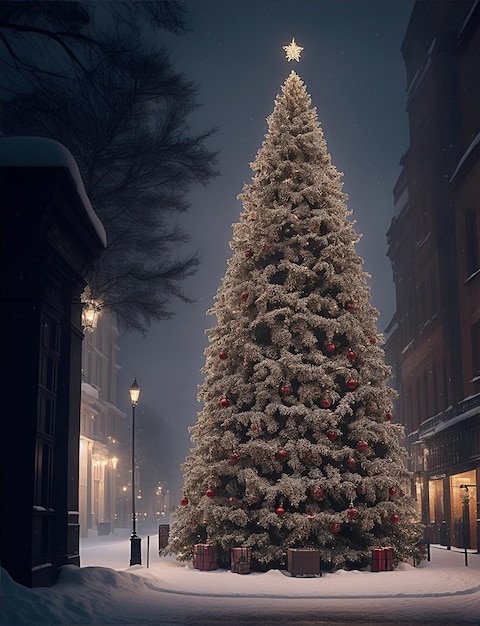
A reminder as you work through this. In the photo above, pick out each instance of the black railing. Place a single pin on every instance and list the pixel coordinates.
(467, 404)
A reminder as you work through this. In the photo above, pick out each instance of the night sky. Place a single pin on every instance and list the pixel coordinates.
(353, 69)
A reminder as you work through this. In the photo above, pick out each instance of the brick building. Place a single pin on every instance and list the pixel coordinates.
(434, 248)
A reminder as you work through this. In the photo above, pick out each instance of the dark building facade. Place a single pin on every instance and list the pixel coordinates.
(50, 236)
(434, 248)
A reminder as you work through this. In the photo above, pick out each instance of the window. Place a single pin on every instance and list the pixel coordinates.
(433, 292)
(46, 414)
(435, 387)
(476, 349)
(422, 217)
(422, 304)
(471, 242)
(425, 394)
(43, 474)
(419, 402)
(51, 335)
(446, 386)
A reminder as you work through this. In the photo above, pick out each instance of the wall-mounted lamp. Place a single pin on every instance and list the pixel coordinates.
(91, 310)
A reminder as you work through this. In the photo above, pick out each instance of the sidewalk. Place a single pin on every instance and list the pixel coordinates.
(444, 575)
(105, 590)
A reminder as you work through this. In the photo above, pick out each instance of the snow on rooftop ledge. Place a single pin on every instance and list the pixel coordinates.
(44, 152)
(90, 391)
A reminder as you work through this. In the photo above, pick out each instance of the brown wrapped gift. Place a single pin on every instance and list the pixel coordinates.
(303, 562)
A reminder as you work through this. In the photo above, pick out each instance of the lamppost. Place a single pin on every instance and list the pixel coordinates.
(135, 541)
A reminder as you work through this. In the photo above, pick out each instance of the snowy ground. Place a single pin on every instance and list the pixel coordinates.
(105, 590)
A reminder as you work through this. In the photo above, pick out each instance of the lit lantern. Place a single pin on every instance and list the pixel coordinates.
(90, 314)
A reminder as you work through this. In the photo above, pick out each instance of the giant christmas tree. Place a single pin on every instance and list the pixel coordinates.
(295, 445)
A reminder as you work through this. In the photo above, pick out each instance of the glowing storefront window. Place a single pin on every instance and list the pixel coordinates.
(436, 501)
(463, 496)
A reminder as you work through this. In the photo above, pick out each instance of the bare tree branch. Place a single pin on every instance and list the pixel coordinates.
(125, 122)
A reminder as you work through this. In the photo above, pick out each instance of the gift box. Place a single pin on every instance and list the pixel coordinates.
(240, 560)
(303, 562)
(388, 559)
(382, 559)
(204, 557)
(378, 560)
(163, 532)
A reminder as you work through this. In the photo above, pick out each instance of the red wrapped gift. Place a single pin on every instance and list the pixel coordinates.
(240, 560)
(378, 560)
(382, 559)
(388, 552)
(204, 557)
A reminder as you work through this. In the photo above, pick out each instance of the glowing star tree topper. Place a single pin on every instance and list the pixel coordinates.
(293, 51)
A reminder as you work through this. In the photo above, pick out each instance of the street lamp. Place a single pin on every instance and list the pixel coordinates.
(91, 311)
(135, 541)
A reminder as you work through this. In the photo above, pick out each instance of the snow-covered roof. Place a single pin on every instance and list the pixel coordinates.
(90, 391)
(422, 71)
(468, 18)
(44, 152)
(465, 156)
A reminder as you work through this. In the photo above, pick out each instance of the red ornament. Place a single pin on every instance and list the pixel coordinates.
(224, 402)
(244, 296)
(222, 355)
(285, 390)
(210, 493)
(248, 254)
(351, 384)
(234, 457)
(310, 517)
(325, 403)
(353, 513)
(351, 463)
(394, 518)
(362, 446)
(350, 305)
(231, 500)
(283, 454)
(392, 491)
(280, 511)
(373, 340)
(389, 416)
(335, 528)
(330, 347)
(361, 490)
(309, 458)
(402, 493)
(351, 355)
(184, 501)
(332, 435)
(254, 427)
(318, 492)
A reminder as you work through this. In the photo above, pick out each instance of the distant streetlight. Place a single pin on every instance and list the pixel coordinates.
(135, 541)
